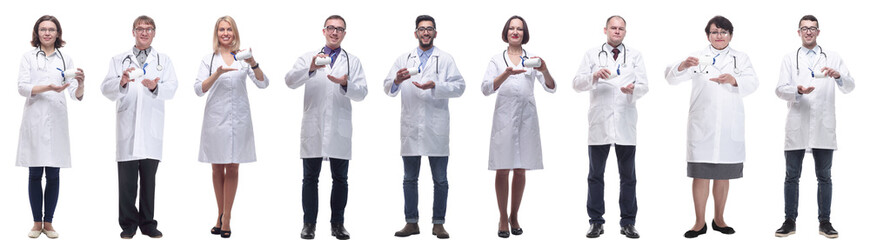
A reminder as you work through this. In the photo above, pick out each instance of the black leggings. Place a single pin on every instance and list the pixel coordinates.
(52, 176)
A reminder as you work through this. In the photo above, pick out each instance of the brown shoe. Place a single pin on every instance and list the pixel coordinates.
(408, 230)
(439, 231)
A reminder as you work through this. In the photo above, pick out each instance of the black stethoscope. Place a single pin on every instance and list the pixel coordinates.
(705, 71)
(525, 56)
(334, 54)
(129, 59)
(624, 58)
(46, 59)
(798, 63)
(419, 67)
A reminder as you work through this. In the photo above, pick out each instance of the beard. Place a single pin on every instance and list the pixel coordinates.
(428, 45)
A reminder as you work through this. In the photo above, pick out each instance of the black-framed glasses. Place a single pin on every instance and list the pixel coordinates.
(722, 33)
(145, 30)
(425, 29)
(809, 29)
(334, 29)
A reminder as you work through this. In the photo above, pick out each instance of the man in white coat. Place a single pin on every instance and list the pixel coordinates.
(139, 128)
(807, 80)
(326, 121)
(427, 78)
(615, 75)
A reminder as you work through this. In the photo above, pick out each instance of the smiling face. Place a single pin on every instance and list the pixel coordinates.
(808, 31)
(334, 31)
(226, 34)
(615, 31)
(144, 34)
(718, 37)
(425, 34)
(47, 33)
(515, 32)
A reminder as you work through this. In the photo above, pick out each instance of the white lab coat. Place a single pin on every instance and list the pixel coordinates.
(811, 121)
(425, 122)
(515, 141)
(326, 113)
(140, 112)
(716, 120)
(227, 131)
(43, 140)
(612, 114)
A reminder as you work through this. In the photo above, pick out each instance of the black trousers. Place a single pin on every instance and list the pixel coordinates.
(129, 217)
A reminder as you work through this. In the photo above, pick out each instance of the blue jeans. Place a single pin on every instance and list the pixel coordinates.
(793, 164)
(310, 176)
(627, 183)
(52, 188)
(438, 165)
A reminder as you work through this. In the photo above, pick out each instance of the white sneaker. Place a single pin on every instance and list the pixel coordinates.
(50, 233)
(34, 234)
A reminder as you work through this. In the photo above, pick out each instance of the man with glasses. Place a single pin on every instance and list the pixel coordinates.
(326, 121)
(807, 81)
(616, 78)
(428, 77)
(139, 128)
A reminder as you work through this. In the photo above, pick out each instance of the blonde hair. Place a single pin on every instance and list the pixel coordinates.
(234, 46)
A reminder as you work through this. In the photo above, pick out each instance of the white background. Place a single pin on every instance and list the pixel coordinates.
(268, 204)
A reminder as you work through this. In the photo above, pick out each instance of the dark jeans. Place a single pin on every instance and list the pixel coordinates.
(438, 165)
(129, 172)
(627, 182)
(793, 164)
(52, 187)
(338, 200)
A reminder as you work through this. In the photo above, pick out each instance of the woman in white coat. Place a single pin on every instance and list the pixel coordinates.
(515, 143)
(227, 131)
(43, 143)
(721, 77)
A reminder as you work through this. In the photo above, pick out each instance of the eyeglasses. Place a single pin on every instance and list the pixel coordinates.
(425, 29)
(809, 29)
(722, 33)
(146, 30)
(334, 29)
(48, 30)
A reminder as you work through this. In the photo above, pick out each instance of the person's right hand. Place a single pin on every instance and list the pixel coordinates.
(125, 78)
(513, 71)
(805, 90)
(689, 62)
(401, 76)
(313, 66)
(57, 88)
(601, 74)
(221, 70)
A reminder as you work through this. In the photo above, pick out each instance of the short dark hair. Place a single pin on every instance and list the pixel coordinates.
(614, 16)
(810, 18)
(424, 18)
(58, 43)
(335, 17)
(504, 32)
(721, 22)
(144, 20)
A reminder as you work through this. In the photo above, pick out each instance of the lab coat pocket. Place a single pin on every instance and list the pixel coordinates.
(310, 128)
(157, 124)
(829, 121)
(738, 130)
(345, 129)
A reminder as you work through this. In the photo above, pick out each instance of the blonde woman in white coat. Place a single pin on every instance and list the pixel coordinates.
(515, 143)
(716, 148)
(227, 131)
(43, 143)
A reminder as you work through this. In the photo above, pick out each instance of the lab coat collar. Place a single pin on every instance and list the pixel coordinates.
(151, 55)
(805, 50)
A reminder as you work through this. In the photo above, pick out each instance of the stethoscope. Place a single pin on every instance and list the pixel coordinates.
(524, 57)
(46, 59)
(129, 59)
(705, 71)
(334, 54)
(798, 63)
(618, 66)
(420, 67)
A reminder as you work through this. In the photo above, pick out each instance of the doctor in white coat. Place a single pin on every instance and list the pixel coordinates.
(808, 79)
(515, 142)
(227, 130)
(139, 125)
(425, 121)
(612, 121)
(326, 121)
(43, 141)
(716, 148)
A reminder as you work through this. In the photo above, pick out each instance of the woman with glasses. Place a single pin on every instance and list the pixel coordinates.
(721, 77)
(227, 137)
(43, 143)
(515, 143)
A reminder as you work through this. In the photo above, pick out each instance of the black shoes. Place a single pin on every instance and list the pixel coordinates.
(338, 231)
(595, 230)
(128, 234)
(308, 231)
(153, 233)
(788, 228)
(439, 231)
(724, 230)
(517, 231)
(694, 234)
(226, 234)
(825, 229)
(504, 234)
(217, 230)
(408, 230)
(629, 231)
